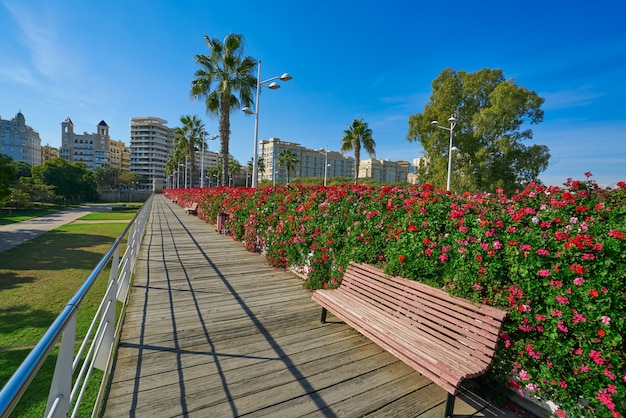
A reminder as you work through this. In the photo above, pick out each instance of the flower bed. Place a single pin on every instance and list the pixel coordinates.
(554, 257)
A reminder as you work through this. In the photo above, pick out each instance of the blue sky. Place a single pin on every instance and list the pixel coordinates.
(114, 60)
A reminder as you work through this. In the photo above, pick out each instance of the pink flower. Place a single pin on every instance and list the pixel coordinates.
(523, 374)
(608, 374)
(578, 318)
(606, 320)
(562, 299)
(596, 356)
(578, 281)
(544, 273)
(561, 326)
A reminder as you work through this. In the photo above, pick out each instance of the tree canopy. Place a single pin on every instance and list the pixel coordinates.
(70, 180)
(492, 114)
(8, 175)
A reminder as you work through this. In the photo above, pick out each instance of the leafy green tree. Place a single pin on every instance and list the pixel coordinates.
(107, 178)
(23, 169)
(491, 113)
(187, 140)
(289, 160)
(223, 74)
(356, 136)
(8, 175)
(130, 180)
(70, 180)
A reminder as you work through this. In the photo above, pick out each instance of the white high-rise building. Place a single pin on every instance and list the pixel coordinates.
(151, 141)
(19, 141)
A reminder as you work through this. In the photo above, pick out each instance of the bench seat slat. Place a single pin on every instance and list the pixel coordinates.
(406, 338)
(447, 339)
(417, 311)
(410, 309)
(425, 364)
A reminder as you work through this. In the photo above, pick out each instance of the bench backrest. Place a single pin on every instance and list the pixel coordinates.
(471, 329)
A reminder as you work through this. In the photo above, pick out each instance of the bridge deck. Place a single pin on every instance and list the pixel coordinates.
(213, 331)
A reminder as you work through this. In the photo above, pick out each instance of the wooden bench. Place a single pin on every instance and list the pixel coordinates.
(192, 210)
(447, 339)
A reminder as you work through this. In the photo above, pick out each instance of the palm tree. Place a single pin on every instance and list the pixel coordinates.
(233, 168)
(356, 136)
(223, 73)
(260, 166)
(187, 140)
(288, 160)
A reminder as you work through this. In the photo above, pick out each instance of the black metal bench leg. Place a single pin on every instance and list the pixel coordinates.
(323, 319)
(449, 412)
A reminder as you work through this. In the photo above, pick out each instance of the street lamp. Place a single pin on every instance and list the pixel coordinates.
(273, 85)
(452, 121)
(326, 165)
(186, 164)
(202, 162)
(179, 165)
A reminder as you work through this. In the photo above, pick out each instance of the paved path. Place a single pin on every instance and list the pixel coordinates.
(18, 233)
(212, 331)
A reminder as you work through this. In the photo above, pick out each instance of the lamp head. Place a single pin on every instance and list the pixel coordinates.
(247, 111)
(434, 123)
(452, 119)
(274, 85)
(286, 77)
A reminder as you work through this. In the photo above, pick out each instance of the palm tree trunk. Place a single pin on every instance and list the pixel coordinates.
(357, 162)
(224, 136)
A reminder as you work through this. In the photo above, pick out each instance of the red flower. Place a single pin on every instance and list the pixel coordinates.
(593, 293)
(401, 258)
(616, 234)
(601, 333)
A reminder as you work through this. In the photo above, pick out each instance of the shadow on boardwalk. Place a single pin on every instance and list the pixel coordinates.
(213, 331)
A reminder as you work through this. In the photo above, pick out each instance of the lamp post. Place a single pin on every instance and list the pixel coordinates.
(326, 165)
(273, 85)
(186, 164)
(179, 166)
(452, 121)
(202, 162)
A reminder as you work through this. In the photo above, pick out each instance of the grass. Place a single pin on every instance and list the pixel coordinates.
(19, 215)
(37, 279)
(109, 216)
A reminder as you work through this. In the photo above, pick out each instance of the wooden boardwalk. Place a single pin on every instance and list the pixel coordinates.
(213, 331)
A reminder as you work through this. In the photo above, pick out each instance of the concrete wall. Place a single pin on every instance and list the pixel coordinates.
(123, 195)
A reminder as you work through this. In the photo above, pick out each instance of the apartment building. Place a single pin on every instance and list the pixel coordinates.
(151, 141)
(89, 148)
(48, 153)
(19, 141)
(384, 171)
(312, 163)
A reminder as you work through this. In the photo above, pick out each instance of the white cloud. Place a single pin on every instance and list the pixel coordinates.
(566, 99)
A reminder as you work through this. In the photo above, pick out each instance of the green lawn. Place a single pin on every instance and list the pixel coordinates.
(37, 279)
(19, 215)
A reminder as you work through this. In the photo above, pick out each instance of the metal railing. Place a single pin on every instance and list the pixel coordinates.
(74, 368)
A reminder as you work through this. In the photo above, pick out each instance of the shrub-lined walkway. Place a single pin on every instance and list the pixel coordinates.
(213, 331)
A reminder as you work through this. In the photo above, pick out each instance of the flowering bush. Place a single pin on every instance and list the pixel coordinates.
(554, 257)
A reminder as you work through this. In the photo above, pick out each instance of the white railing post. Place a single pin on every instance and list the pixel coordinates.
(61, 386)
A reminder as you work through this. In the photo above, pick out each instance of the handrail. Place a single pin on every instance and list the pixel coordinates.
(64, 393)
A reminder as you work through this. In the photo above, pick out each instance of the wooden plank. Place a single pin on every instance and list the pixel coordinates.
(212, 330)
